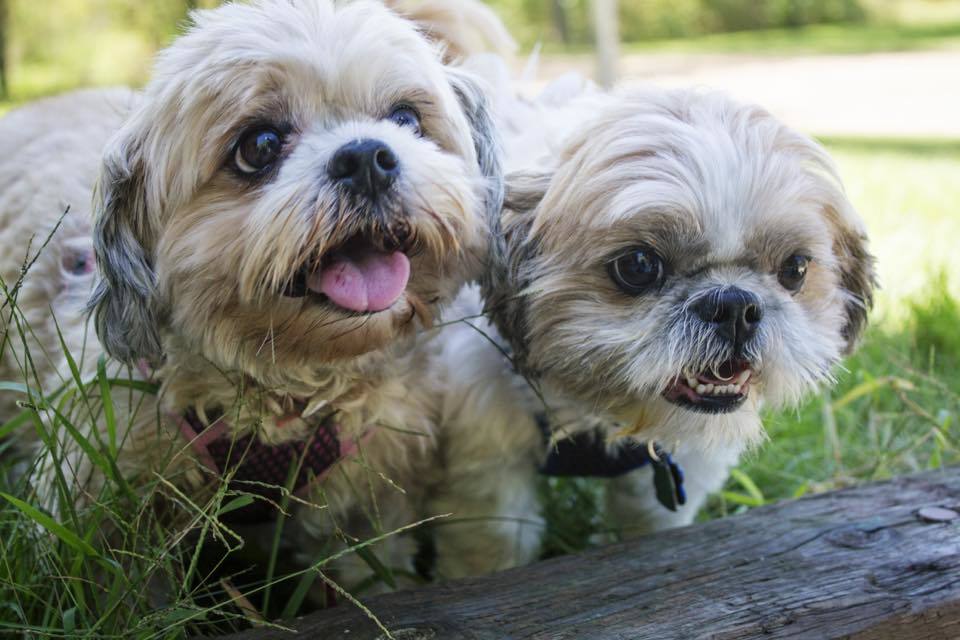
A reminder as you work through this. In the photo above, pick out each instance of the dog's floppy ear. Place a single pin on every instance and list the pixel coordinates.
(476, 106)
(856, 265)
(123, 303)
(857, 269)
(512, 250)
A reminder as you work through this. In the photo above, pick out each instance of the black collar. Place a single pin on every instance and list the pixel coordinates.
(586, 454)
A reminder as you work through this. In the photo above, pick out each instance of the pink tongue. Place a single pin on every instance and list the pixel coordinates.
(370, 281)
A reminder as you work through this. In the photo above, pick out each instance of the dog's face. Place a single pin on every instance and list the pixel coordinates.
(685, 260)
(302, 182)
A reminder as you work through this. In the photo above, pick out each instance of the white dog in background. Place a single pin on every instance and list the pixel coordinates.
(667, 263)
(298, 190)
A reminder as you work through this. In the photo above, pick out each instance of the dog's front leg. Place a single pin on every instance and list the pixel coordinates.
(494, 522)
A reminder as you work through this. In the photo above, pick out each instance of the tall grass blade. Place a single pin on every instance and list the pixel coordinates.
(63, 533)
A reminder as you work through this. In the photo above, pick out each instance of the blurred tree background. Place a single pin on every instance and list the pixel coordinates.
(568, 21)
(48, 46)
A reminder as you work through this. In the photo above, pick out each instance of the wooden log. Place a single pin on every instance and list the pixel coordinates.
(880, 561)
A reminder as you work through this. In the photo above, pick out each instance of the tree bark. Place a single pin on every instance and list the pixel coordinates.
(606, 26)
(4, 38)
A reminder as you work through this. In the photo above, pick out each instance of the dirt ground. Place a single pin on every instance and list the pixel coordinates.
(910, 94)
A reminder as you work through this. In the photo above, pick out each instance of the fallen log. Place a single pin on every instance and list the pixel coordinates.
(879, 561)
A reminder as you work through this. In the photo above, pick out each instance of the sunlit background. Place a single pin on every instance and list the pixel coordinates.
(878, 81)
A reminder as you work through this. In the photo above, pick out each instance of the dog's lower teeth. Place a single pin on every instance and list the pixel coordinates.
(708, 389)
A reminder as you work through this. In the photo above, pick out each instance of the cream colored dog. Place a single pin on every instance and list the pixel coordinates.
(298, 190)
(667, 263)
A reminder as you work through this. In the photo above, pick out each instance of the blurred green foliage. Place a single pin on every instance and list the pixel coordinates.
(569, 21)
(53, 45)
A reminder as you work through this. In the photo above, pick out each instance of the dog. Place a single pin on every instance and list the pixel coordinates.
(298, 190)
(667, 263)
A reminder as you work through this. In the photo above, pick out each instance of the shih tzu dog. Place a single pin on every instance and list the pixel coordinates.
(667, 264)
(298, 190)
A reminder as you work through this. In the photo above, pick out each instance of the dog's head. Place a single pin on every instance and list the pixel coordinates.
(681, 260)
(301, 182)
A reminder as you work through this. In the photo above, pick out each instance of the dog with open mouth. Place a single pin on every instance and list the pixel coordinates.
(298, 190)
(667, 264)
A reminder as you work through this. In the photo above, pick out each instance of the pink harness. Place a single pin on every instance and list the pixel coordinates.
(263, 470)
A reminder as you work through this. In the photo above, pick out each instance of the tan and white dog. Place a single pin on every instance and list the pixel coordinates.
(298, 190)
(667, 263)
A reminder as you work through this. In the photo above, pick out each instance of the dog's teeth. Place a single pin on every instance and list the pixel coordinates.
(737, 388)
(313, 406)
(710, 388)
(701, 389)
(692, 382)
(743, 376)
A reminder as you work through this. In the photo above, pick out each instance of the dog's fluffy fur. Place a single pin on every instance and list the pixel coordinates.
(195, 258)
(724, 194)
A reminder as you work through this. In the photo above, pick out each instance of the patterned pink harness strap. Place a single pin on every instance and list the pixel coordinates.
(260, 469)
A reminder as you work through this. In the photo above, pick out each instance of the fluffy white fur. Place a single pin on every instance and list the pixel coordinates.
(724, 193)
(194, 257)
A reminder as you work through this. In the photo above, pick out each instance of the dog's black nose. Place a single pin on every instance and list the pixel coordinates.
(365, 167)
(734, 313)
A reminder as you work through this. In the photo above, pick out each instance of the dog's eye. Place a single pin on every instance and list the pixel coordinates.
(406, 116)
(793, 271)
(258, 149)
(637, 271)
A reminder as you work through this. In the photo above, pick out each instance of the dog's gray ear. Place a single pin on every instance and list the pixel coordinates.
(857, 272)
(512, 252)
(524, 190)
(486, 140)
(123, 301)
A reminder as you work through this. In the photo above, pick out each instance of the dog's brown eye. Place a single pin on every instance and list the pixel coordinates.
(793, 271)
(637, 271)
(257, 150)
(406, 116)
